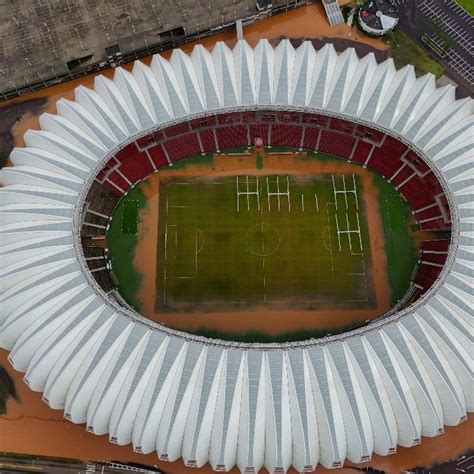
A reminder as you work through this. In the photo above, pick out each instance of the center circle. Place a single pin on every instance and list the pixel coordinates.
(263, 239)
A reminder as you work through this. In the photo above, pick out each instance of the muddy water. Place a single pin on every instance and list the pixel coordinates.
(23, 429)
(307, 22)
(31, 427)
(261, 319)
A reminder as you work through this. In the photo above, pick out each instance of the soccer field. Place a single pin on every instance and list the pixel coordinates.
(294, 240)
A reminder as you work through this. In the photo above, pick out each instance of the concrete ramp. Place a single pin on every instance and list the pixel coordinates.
(333, 12)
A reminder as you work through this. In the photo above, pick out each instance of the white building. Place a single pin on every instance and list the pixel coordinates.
(318, 401)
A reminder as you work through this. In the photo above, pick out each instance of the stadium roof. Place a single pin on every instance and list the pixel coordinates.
(298, 404)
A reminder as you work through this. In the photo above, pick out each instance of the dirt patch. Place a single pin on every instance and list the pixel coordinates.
(147, 246)
(260, 318)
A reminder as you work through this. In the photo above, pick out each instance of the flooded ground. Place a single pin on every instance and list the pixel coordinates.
(29, 426)
(307, 22)
(269, 321)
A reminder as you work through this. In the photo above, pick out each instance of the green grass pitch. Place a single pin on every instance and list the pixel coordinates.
(395, 213)
(279, 240)
(121, 241)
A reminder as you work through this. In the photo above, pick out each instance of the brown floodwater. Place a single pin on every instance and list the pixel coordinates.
(31, 427)
(260, 318)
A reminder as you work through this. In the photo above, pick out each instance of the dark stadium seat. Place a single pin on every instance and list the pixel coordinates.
(231, 118)
(136, 168)
(259, 130)
(310, 139)
(286, 135)
(367, 133)
(339, 125)
(437, 258)
(413, 186)
(427, 274)
(247, 117)
(336, 144)
(416, 162)
(158, 156)
(120, 185)
(112, 163)
(441, 245)
(231, 136)
(177, 129)
(362, 151)
(288, 116)
(182, 147)
(207, 140)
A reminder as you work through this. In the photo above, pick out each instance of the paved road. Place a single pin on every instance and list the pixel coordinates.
(449, 27)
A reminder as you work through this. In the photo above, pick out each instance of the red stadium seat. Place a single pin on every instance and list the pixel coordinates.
(310, 139)
(128, 151)
(207, 140)
(118, 181)
(286, 135)
(158, 156)
(441, 245)
(247, 117)
(177, 129)
(339, 125)
(336, 144)
(136, 168)
(435, 224)
(260, 130)
(362, 151)
(402, 175)
(428, 213)
(182, 147)
(231, 136)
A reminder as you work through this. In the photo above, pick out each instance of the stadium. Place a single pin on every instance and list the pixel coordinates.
(404, 375)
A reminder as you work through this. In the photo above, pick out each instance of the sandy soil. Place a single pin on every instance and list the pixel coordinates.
(23, 430)
(259, 318)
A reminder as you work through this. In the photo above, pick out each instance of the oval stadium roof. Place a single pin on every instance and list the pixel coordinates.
(318, 401)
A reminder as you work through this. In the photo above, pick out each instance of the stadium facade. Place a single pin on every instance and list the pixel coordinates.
(347, 396)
